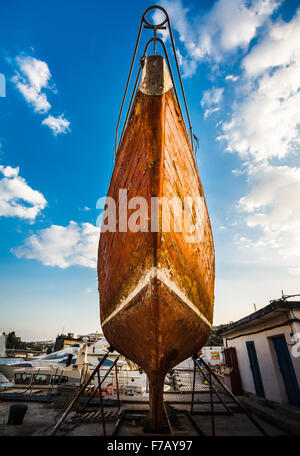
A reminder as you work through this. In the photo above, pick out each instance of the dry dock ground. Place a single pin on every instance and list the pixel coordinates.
(40, 418)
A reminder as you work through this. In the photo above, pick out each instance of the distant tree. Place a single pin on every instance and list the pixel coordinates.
(215, 338)
(14, 342)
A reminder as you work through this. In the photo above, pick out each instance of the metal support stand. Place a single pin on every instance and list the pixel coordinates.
(232, 396)
(213, 431)
(82, 389)
(144, 22)
(99, 385)
(32, 381)
(101, 403)
(117, 386)
(52, 383)
(193, 392)
(214, 389)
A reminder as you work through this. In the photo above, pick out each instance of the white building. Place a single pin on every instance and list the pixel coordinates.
(267, 347)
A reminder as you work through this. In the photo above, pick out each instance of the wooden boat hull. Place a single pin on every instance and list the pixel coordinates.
(156, 289)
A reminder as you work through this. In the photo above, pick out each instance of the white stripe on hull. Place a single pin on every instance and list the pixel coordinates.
(163, 276)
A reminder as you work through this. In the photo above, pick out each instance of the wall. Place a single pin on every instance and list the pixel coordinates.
(267, 359)
(208, 355)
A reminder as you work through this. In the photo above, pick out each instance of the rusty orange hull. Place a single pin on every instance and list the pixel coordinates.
(156, 289)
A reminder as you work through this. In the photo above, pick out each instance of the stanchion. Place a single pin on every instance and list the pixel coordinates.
(193, 392)
(117, 386)
(214, 390)
(236, 400)
(82, 389)
(97, 388)
(101, 403)
(211, 406)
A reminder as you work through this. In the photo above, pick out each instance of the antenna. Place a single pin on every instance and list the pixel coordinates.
(284, 297)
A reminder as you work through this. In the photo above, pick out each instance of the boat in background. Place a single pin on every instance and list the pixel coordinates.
(68, 362)
(46, 377)
(4, 382)
(54, 360)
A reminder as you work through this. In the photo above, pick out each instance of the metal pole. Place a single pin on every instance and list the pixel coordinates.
(168, 420)
(127, 83)
(33, 378)
(117, 385)
(215, 391)
(101, 403)
(66, 413)
(52, 383)
(193, 392)
(211, 406)
(96, 389)
(118, 423)
(29, 388)
(194, 423)
(236, 400)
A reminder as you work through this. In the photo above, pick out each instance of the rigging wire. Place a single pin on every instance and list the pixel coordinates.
(144, 22)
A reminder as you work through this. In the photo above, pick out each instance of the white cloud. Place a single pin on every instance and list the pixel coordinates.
(265, 123)
(8, 171)
(231, 77)
(212, 96)
(210, 111)
(38, 100)
(273, 208)
(178, 16)
(228, 26)
(58, 124)
(35, 71)
(231, 24)
(32, 76)
(31, 79)
(281, 47)
(17, 198)
(63, 246)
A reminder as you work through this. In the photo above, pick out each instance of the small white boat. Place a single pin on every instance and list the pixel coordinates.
(54, 360)
(4, 382)
(72, 364)
(44, 377)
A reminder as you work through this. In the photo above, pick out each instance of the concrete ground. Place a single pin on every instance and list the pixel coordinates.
(40, 417)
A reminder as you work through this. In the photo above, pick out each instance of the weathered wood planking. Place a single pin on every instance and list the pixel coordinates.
(156, 290)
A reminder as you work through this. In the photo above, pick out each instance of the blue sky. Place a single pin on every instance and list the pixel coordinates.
(66, 65)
